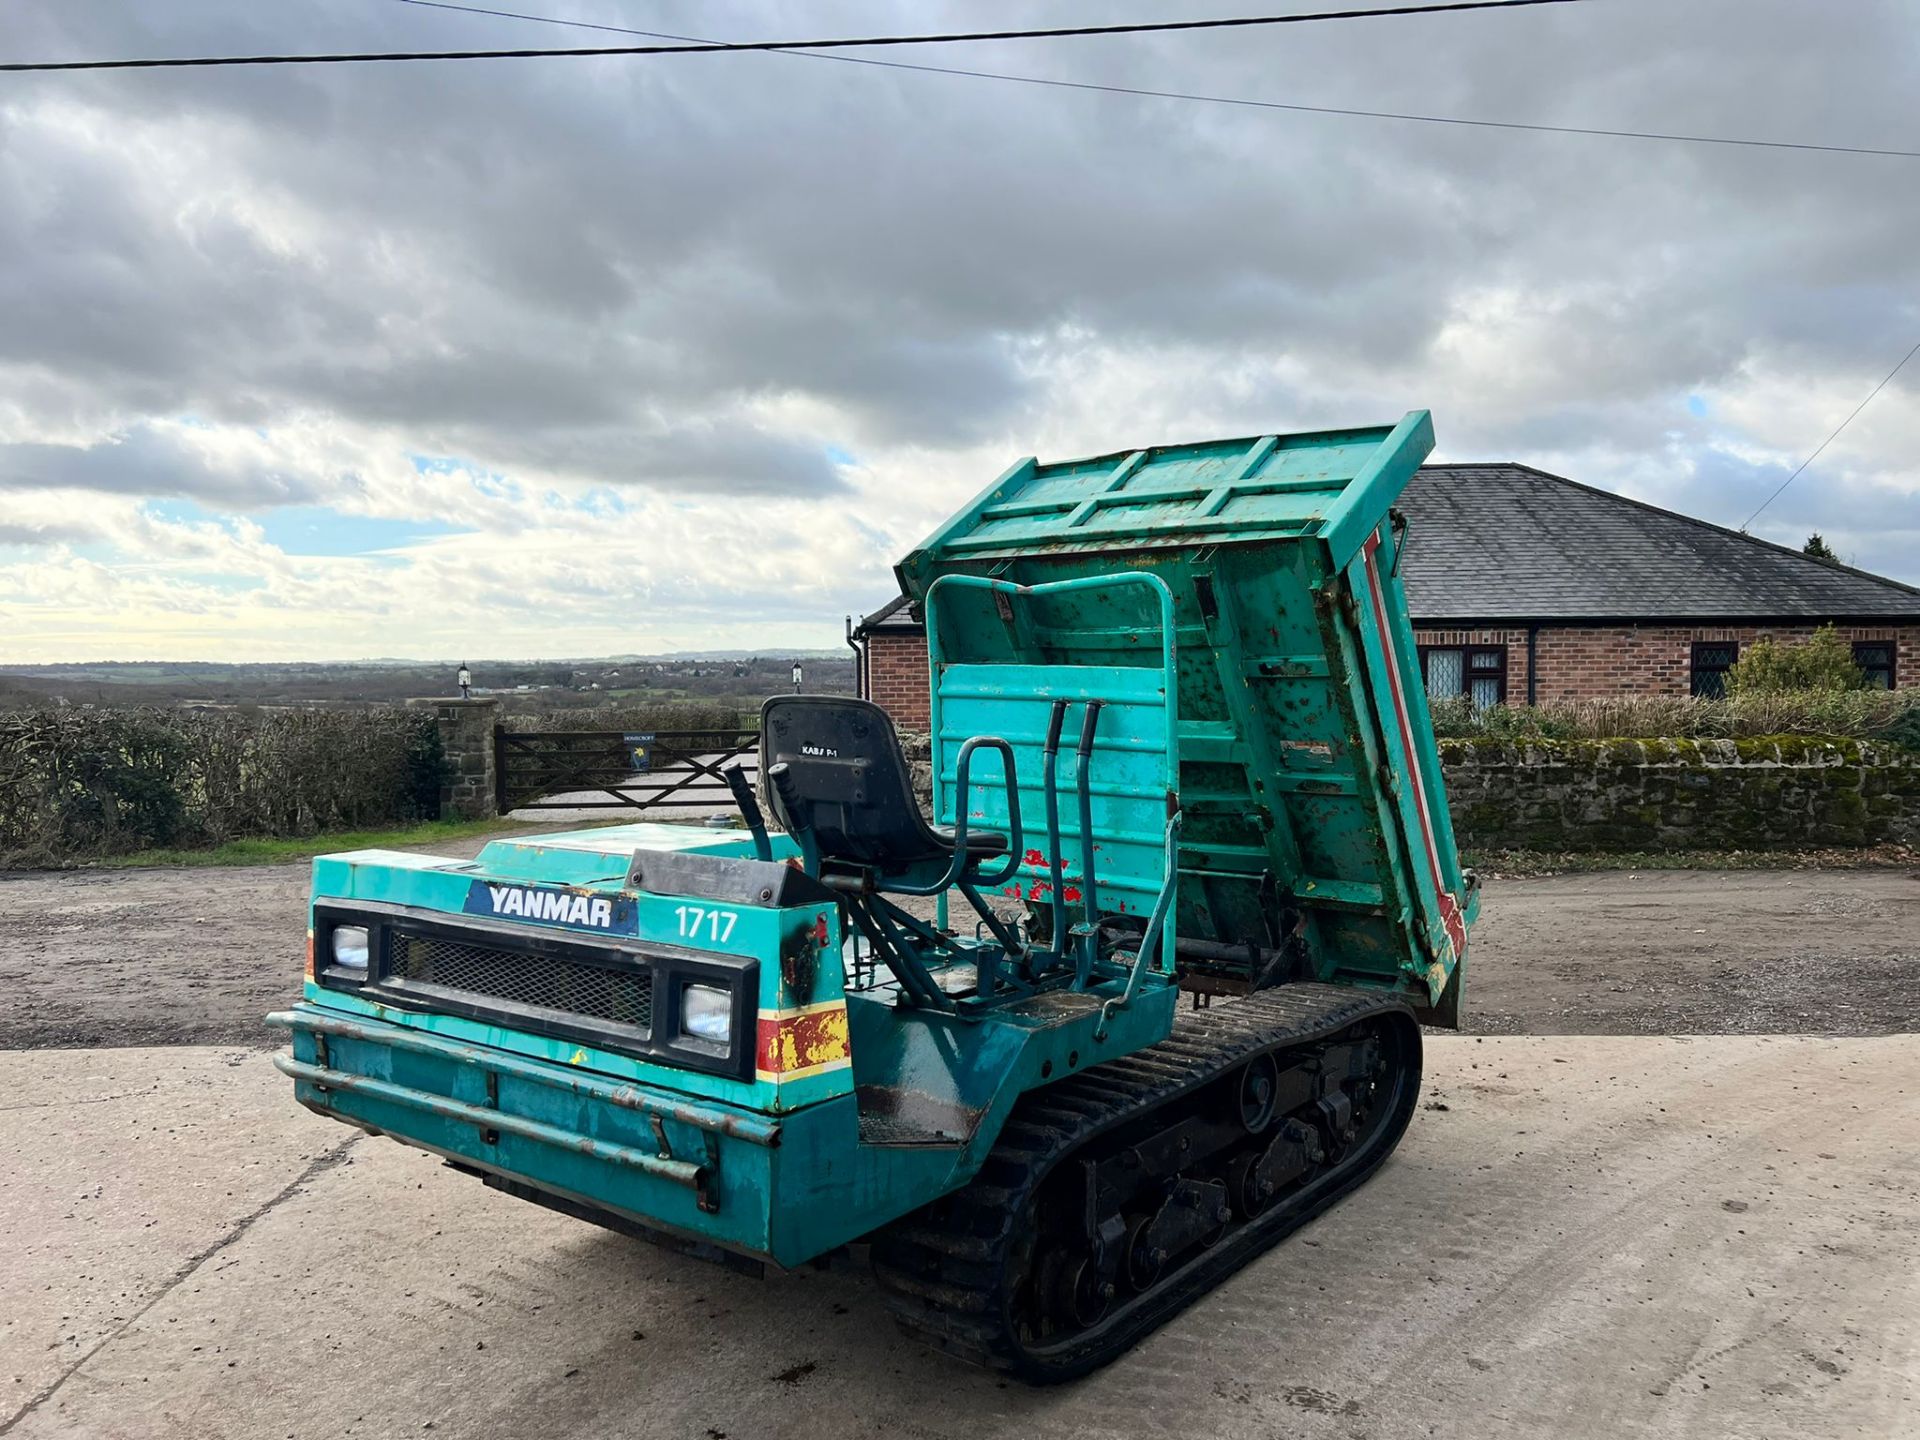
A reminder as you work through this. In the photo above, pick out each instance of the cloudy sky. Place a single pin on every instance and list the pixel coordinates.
(571, 357)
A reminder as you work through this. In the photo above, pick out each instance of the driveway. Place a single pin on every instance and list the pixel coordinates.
(192, 956)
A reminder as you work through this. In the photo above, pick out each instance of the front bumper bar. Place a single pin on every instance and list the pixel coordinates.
(663, 1167)
(697, 1174)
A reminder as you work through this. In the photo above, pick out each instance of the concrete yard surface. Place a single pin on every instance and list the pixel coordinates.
(1580, 1236)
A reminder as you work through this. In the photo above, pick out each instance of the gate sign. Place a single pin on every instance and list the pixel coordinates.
(640, 750)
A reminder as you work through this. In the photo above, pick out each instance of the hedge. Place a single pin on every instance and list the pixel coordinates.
(87, 781)
(1892, 716)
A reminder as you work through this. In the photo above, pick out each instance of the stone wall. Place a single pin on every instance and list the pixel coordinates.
(466, 737)
(1782, 792)
(917, 745)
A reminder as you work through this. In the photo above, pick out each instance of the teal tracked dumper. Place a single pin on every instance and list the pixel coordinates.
(1179, 745)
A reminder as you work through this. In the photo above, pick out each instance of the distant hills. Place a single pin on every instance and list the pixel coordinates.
(740, 677)
(176, 667)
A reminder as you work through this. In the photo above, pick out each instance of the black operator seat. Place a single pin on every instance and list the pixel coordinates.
(847, 773)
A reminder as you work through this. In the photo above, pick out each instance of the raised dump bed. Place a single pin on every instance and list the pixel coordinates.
(1315, 843)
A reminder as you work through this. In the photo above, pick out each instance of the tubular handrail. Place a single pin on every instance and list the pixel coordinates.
(962, 783)
(1089, 882)
(1056, 883)
(1159, 927)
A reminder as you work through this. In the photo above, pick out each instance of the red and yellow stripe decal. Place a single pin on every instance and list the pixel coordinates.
(1452, 921)
(809, 1040)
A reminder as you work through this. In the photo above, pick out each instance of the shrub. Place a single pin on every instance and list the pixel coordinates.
(1866, 714)
(1455, 718)
(86, 781)
(1822, 662)
(1903, 729)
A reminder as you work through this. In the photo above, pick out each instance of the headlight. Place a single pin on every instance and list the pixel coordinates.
(706, 1013)
(349, 946)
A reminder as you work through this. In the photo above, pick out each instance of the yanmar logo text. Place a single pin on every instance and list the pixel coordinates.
(612, 914)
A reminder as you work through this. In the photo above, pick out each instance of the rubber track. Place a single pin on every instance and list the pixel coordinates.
(941, 1269)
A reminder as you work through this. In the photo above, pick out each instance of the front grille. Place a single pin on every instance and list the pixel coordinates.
(550, 982)
(586, 990)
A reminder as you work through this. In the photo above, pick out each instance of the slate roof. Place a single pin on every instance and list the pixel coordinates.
(1508, 542)
(1511, 543)
(891, 616)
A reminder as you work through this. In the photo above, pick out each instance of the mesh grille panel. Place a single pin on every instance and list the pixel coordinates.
(619, 997)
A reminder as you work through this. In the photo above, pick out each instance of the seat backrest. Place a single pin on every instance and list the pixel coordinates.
(848, 772)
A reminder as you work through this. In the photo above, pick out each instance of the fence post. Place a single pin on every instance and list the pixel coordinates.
(500, 805)
(468, 785)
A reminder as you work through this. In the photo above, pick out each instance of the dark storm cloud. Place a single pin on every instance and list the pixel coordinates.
(697, 458)
(48, 532)
(145, 462)
(601, 267)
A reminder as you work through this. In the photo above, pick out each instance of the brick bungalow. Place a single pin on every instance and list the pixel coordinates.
(1526, 587)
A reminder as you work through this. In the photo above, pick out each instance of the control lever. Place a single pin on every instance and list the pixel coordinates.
(799, 816)
(742, 790)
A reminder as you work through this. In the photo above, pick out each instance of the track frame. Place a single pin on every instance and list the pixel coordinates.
(1116, 1198)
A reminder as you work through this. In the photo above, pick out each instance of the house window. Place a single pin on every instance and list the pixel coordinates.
(1875, 659)
(1476, 671)
(1711, 661)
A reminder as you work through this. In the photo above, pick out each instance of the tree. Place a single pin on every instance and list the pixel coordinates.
(1822, 662)
(1819, 549)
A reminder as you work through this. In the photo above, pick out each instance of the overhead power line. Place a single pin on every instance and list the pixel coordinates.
(711, 47)
(1205, 99)
(1836, 434)
(1653, 607)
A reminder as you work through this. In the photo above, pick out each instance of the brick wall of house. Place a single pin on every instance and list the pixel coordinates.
(1582, 663)
(1576, 662)
(1585, 662)
(897, 676)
